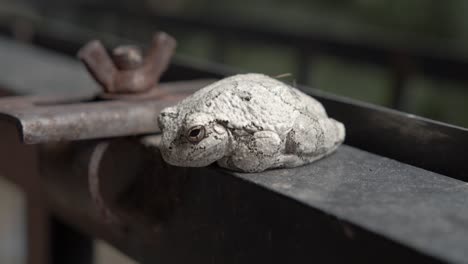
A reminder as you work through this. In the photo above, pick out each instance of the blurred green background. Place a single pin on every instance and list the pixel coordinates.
(434, 25)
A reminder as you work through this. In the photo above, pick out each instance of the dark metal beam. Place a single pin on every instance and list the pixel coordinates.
(411, 139)
(353, 206)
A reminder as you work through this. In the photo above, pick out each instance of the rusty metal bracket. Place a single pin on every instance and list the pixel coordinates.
(63, 118)
(129, 80)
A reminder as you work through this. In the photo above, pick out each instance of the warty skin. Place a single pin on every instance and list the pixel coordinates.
(249, 123)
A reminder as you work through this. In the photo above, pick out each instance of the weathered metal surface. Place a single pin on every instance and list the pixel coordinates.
(418, 141)
(61, 118)
(353, 206)
(418, 208)
(126, 72)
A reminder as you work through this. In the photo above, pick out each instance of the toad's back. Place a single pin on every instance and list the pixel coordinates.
(254, 102)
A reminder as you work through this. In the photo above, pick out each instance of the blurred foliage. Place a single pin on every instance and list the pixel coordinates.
(441, 25)
(440, 100)
(362, 82)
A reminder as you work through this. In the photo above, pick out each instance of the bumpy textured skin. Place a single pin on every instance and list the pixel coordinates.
(252, 123)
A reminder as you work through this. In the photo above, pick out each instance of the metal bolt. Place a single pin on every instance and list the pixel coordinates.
(126, 73)
(127, 57)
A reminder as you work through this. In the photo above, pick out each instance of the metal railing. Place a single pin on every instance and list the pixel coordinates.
(402, 60)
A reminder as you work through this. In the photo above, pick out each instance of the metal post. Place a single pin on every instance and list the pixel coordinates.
(69, 245)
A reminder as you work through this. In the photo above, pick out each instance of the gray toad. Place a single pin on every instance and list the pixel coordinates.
(249, 123)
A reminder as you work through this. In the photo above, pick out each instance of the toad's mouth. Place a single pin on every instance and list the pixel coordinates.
(205, 153)
(194, 155)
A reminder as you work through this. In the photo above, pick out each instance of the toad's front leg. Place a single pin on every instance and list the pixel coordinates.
(254, 153)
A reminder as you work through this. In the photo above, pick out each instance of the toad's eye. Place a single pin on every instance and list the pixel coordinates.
(196, 134)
